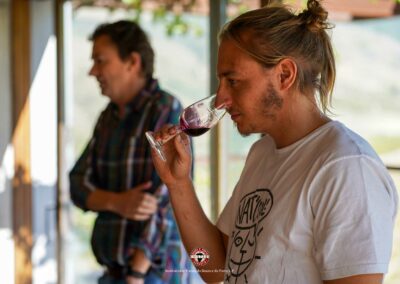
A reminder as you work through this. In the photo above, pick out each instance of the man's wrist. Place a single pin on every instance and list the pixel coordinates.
(112, 202)
(181, 184)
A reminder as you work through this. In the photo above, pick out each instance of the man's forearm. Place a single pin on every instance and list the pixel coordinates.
(101, 200)
(197, 231)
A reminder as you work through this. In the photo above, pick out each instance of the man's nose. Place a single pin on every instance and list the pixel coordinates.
(93, 71)
(222, 100)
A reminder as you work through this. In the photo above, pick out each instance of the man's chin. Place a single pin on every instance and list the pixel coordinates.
(242, 132)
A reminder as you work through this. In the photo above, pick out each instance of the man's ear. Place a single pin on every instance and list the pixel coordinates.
(135, 61)
(287, 73)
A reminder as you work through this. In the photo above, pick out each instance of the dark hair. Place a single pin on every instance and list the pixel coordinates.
(275, 32)
(128, 37)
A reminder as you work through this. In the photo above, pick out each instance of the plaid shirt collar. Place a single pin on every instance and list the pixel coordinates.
(138, 102)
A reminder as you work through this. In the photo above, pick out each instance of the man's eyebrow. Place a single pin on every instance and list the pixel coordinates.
(225, 74)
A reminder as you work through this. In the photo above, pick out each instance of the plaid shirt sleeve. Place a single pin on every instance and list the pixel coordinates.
(161, 228)
(81, 176)
(156, 237)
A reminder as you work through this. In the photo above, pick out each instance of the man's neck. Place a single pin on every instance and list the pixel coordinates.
(298, 122)
(133, 91)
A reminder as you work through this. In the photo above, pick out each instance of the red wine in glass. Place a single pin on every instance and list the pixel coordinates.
(195, 131)
(195, 120)
(192, 131)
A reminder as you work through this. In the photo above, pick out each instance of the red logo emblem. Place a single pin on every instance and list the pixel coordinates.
(199, 257)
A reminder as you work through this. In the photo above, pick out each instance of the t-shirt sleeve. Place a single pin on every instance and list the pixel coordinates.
(353, 202)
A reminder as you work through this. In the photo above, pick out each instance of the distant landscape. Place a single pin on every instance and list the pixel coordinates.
(367, 94)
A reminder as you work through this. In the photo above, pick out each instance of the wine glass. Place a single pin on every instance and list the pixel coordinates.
(194, 120)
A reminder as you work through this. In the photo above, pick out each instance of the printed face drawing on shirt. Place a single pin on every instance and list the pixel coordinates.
(253, 208)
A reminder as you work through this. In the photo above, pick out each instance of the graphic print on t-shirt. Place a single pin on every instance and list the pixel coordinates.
(253, 208)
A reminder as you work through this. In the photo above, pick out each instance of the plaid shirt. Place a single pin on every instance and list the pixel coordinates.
(118, 158)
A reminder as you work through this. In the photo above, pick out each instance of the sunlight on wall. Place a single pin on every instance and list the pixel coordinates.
(43, 110)
(44, 118)
(6, 168)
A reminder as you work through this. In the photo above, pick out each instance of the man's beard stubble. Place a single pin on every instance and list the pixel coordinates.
(267, 105)
(271, 102)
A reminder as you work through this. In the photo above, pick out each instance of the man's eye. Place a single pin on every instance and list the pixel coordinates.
(232, 82)
(98, 61)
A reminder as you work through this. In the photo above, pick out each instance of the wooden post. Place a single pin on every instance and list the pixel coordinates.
(22, 182)
(59, 26)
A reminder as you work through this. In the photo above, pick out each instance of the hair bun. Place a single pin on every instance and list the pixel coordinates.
(314, 17)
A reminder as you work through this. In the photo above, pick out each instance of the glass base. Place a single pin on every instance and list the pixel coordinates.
(155, 145)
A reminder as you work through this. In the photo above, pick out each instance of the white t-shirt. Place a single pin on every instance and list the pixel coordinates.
(322, 208)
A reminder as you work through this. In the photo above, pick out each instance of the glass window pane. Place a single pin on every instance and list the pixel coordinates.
(367, 94)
